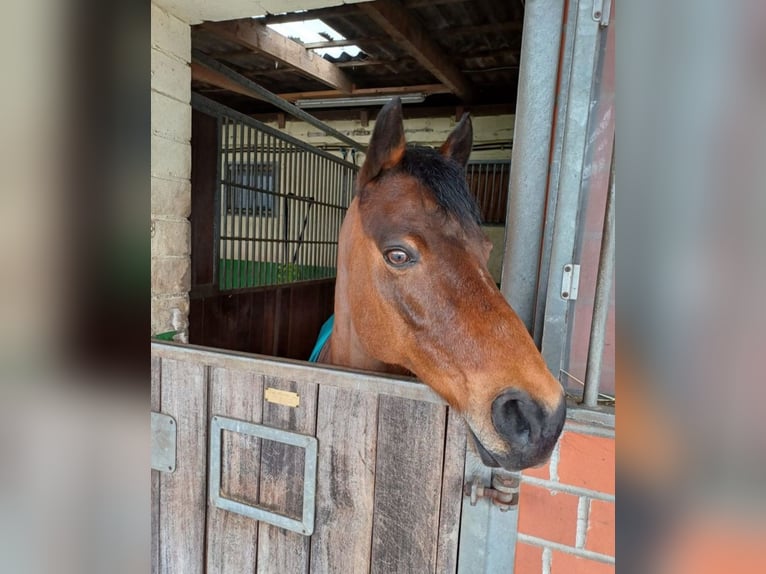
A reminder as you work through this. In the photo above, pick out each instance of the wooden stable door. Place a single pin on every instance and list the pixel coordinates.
(285, 467)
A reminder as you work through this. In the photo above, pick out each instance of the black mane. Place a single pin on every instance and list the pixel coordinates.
(446, 178)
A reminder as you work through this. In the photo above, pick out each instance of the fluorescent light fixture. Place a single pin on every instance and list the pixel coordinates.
(358, 101)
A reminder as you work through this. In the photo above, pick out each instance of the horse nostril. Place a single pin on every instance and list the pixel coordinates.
(518, 418)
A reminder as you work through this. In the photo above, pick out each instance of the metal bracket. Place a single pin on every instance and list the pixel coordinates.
(601, 12)
(303, 526)
(163, 442)
(570, 282)
(504, 492)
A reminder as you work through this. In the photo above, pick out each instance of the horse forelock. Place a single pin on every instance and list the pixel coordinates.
(447, 181)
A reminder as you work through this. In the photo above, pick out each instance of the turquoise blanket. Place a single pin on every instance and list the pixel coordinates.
(324, 334)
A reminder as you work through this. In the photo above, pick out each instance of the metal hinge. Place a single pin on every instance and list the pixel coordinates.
(163, 442)
(601, 11)
(570, 282)
(504, 492)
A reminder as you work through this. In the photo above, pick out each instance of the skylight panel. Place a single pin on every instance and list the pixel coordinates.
(311, 31)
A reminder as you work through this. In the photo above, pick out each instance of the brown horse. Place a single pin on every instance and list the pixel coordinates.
(413, 294)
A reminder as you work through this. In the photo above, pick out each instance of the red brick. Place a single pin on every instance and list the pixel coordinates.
(568, 564)
(529, 559)
(601, 532)
(587, 461)
(547, 515)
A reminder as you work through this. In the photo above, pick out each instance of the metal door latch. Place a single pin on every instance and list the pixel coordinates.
(570, 282)
(504, 491)
(601, 12)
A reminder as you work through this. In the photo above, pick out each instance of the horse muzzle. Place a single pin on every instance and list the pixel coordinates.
(529, 429)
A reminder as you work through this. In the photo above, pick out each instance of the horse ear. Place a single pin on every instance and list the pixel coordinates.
(387, 143)
(459, 143)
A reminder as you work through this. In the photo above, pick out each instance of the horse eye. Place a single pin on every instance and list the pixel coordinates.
(397, 257)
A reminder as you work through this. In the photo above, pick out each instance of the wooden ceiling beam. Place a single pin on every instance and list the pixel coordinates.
(200, 73)
(347, 42)
(372, 62)
(203, 74)
(426, 89)
(407, 31)
(259, 38)
(447, 111)
(226, 54)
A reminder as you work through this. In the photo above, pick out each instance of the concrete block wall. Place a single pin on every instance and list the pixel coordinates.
(170, 172)
(566, 508)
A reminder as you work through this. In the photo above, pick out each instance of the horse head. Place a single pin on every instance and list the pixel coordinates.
(414, 294)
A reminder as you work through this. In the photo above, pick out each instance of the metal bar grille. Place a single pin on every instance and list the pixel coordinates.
(488, 182)
(280, 203)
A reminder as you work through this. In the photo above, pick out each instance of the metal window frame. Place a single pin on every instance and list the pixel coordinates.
(272, 169)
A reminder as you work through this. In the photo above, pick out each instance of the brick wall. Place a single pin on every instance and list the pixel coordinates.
(170, 172)
(566, 508)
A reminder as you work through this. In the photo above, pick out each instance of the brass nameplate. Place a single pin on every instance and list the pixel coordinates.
(280, 397)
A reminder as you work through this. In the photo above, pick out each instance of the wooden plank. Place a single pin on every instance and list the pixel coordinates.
(155, 478)
(347, 433)
(263, 329)
(244, 323)
(260, 38)
(452, 493)
(281, 321)
(281, 479)
(310, 305)
(300, 371)
(232, 539)
(203, 190)
(408, 486)
(196, 320)
(182, 493)
(247, 320)
(407, 31)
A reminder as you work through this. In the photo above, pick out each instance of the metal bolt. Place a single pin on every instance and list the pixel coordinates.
(597, 15)
(567, 268)
(504, 492)
(565, 294)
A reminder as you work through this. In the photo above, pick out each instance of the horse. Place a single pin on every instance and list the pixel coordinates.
(414, 296)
